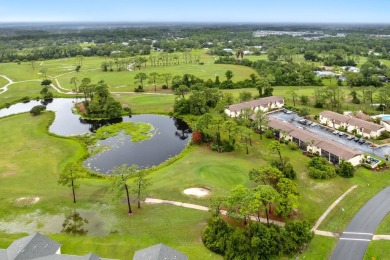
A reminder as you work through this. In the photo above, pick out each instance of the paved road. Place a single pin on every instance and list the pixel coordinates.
(355, 239)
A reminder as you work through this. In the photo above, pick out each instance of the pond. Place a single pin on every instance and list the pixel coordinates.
(170, 136)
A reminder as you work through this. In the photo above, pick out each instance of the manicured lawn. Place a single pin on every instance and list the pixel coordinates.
(369, 183)
(319, 248)
(124, 80)
(3, 82)
(378, 250)
(147, 103)
(384, 227)
(201, 167)
(29, 167)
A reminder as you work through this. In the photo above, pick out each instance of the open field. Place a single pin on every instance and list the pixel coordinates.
(24, 175)
(32, 159)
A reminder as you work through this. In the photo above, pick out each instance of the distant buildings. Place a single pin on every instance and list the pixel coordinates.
(264, 104)
(351, 124)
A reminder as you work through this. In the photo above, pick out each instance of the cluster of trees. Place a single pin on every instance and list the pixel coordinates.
(119, 182)
(334, 57)
(255, 241)
(274, 194)
(51, 43)
(98, 102)
(283, 74)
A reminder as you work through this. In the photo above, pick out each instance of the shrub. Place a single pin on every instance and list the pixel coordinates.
(164, 87)
(37, 110)
(216, 235)
(320, 169)
(197, 137)
(269, 134)
(345, 169)
(384, 135)
(293, 146)
(25, 99)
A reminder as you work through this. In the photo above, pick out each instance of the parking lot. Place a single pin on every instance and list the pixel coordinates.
(328, 133)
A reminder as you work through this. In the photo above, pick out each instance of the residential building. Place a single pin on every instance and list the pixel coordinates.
(351, 124)
(159, 252)
(264, 104)
(39, 247)
(307, 141)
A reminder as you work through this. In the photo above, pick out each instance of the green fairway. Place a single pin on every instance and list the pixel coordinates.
(124, 80)
(29, 168)
(146, 103)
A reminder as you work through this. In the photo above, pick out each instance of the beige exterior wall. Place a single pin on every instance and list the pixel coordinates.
(255, 109)
(356, 160)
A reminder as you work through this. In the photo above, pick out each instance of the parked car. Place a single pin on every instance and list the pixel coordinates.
(361, 141)
(356, 139)
(341, 134)
(302, 121)
(350, 137)
(335, 132)
(314, 124)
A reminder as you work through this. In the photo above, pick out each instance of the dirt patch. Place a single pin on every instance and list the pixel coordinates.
(27, 201)
(198, 192)
(8, 173)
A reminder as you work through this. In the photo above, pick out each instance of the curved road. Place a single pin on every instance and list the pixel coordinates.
(354, 240)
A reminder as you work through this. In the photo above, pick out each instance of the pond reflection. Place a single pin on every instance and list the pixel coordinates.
(169, 138)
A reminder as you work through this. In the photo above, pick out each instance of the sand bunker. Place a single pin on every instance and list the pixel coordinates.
(27, 200)
(198, 192)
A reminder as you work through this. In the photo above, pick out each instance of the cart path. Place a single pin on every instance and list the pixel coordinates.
(334, 204)
(203, 208)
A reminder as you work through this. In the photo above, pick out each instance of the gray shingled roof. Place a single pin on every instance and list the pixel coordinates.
(255, 103)
(32, 246)
(89, 256)
(159, 252)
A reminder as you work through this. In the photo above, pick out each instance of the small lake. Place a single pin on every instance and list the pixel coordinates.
(170, 136)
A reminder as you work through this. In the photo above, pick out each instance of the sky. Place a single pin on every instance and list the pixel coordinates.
(245, 11)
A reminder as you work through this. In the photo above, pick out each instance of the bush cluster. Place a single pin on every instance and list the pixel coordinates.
(319, 169)
(255, 241)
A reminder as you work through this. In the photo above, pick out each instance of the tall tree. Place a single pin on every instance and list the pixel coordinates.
(68, 177)
(141, 183)
(166, 77)
(261, 121)
(263, 196)
(140, 78)
(153, 79)
(120, 175)
(74, 81)
(292, 92)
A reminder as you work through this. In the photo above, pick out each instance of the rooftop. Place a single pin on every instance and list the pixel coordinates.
(159, 252)
(255, 103)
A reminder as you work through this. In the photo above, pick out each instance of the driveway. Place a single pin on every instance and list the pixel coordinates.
(327, 134)
(354, 240)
